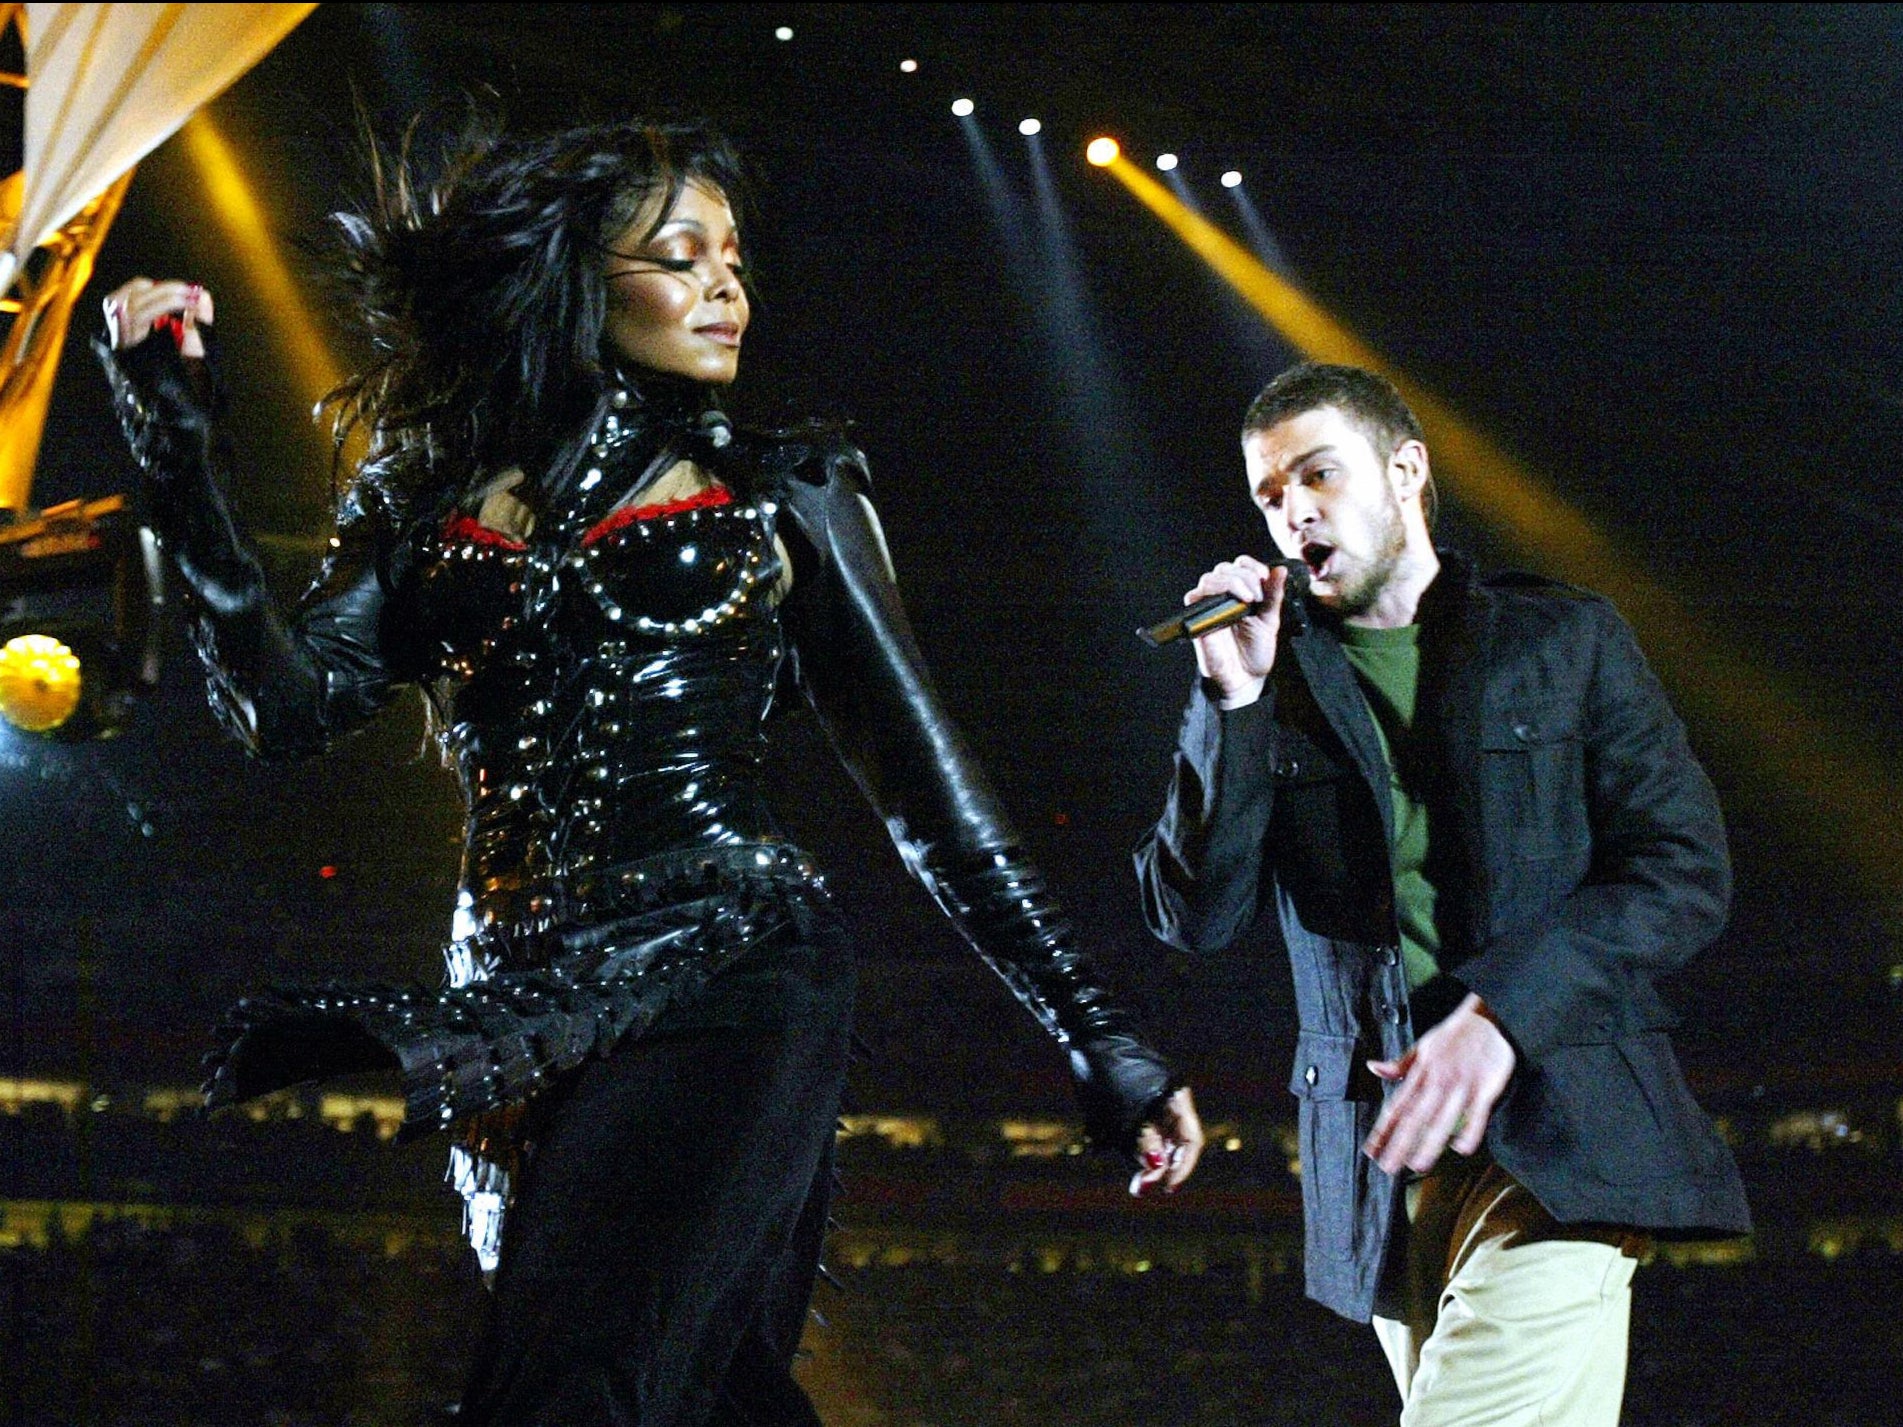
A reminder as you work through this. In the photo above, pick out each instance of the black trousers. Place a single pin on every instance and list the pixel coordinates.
(660, 1253)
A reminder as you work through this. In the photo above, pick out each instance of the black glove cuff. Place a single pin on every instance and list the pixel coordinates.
(166, 403)
(1122, 1085)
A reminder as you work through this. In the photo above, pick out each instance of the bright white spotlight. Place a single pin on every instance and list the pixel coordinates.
(1102, 152)
(908, 66)
(1232, 179)
(1166, 162)
(963, 108)
(785, 32)
(1028, 127)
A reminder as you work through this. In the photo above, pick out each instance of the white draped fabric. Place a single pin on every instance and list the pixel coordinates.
(107, 84)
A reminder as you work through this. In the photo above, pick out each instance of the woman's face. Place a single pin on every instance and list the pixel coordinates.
(675, 303)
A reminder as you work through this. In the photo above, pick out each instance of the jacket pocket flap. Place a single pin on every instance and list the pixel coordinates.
(1526, 726)
(1322, 1064)
(1299, 759)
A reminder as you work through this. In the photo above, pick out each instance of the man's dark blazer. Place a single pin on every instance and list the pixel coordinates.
(1578, 853)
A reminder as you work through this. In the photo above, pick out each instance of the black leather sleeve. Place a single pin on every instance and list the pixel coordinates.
(284, 688)
(861, 668)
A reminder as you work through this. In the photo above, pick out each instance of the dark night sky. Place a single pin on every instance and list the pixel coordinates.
(1648, 249)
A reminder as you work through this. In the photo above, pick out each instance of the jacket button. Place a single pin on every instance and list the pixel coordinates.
(1312, 1074)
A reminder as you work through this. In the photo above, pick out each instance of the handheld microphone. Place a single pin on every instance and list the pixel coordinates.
(1220, 611)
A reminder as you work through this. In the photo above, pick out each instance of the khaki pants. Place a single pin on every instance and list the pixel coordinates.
(1513, 1319)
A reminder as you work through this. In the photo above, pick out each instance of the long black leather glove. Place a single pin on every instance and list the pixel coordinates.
(860, 666)
(283, 688)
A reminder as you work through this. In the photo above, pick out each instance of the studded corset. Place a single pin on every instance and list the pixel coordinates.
(619, 721)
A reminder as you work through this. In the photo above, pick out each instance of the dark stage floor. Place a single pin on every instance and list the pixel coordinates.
(194, 1325)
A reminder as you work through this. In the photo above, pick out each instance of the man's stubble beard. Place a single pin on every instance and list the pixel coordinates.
(1390, 545)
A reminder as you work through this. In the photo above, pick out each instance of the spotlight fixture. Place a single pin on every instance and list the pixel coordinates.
(1028, 127)
(1166, 162)
(41, 680)
(79, 585)
(1232, 179)
(963, 108)
(908, 66)
(1103, 152)
(785, 32)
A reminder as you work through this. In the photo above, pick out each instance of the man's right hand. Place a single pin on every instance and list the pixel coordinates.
(1237, 659)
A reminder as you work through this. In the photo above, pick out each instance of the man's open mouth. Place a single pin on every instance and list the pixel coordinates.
(1316, 556)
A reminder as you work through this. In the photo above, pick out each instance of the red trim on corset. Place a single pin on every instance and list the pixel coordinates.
(629, 514)
(468, 528)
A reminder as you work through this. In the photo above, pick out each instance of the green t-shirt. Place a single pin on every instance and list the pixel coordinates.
(1388, 665)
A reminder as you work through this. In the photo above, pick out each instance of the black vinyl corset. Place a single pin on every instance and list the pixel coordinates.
(626, 718)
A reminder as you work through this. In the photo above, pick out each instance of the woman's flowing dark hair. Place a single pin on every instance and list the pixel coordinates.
(480, 289)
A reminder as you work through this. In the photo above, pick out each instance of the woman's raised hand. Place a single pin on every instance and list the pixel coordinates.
(134, 309)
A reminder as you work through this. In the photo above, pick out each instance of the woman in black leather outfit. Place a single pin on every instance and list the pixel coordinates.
(603, 587)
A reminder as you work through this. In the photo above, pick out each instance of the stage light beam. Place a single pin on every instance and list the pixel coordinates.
(1165, 162)
(1028, 127)
(1231, 179)
(908, 66)
(785, 32)
(1260, 238)
(963, 108)
(1841, 798)
(1103, 152)
(235, 208)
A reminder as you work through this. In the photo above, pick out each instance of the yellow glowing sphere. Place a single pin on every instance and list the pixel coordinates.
(1102, 152)
(39, 683)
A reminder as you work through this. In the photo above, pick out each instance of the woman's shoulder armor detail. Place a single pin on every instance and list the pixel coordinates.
(814, 453)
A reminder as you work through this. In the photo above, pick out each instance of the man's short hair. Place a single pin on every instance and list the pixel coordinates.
(1370, 401)
(1366, 399)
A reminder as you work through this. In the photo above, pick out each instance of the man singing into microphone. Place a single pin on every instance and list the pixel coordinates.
(1486, 840)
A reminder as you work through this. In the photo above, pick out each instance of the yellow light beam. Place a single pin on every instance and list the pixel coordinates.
(1846, 803)
(233, 202)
